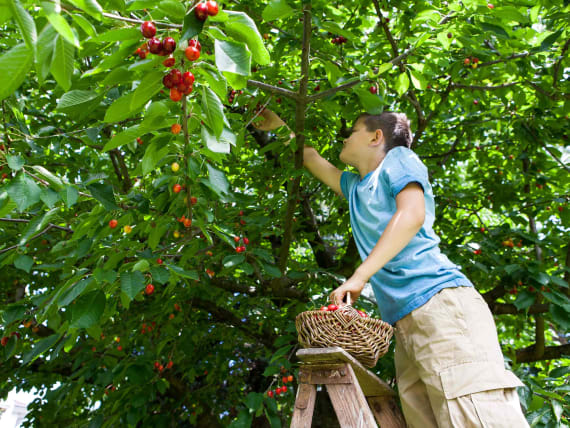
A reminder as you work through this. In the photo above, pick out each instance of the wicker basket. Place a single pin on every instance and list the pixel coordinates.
(366, 339)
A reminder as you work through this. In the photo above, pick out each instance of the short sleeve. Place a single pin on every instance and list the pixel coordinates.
(402, 167)
(347, 181)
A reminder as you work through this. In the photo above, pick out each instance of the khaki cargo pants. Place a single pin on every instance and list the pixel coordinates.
(450, 368)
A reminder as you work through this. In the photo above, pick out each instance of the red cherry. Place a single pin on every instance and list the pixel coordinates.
(475, 102)
(284, 379)
(148, 29)
(466, 61)
(149, 289)
(168, 62)
(332, 307)
(154, 46)
(324, 308)
(475, 60)
(236, 238)
(270, 394)
(167, 81)
(119, 348)
(182, 87)
(192, 53)
(4, 340)
(176, 189)
(201, 11)
(283, 388)
(113, 223)
(490, 6)
(187, 222)
(176, 76)
(213, 8)
(290, 378)
(159, 261)
(195, 44)
(373, 90)
(278, 391)
(193, 200)
(169, 44)
(188, 78)
(246, 241)
(94, 349)
(240, 212)
(175, 94)
(242, 222)
(317, 88)
(169, 365)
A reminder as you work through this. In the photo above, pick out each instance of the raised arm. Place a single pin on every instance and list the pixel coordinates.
(313, 161)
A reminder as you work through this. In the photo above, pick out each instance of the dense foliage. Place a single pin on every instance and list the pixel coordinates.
(249, 239)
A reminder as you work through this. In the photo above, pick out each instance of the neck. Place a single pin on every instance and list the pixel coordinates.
(370, 164)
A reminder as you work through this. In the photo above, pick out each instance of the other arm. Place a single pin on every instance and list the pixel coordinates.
(405, 223)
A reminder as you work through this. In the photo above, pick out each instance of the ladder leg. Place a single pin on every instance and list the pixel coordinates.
(304, 406)
(350, 403)
(386, 412)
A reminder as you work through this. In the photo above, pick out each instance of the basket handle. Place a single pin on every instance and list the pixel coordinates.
(348, 302)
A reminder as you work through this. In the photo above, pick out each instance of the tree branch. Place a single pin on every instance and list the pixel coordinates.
(482, 88)
(530, 354)
(557, 65)
(273, 89)
(301, 104)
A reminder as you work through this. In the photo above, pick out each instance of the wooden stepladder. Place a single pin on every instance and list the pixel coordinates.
(360, 399)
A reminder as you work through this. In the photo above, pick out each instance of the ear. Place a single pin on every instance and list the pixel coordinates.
(378, 138)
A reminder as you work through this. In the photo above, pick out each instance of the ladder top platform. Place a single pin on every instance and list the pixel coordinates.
(371, 384)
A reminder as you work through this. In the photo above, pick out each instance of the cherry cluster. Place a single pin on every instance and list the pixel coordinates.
(241, 248)
(4, 340)
(340, 40)
(158, 366)
(179, 83)
(153, 45)
(332, 307)
(282, 389)
(203, 10)
(233, 94)
(473, 61)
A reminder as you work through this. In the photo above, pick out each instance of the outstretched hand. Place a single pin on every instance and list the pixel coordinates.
(268, 121)
(353, 285)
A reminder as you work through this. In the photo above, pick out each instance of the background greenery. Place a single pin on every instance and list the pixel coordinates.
(75, 98)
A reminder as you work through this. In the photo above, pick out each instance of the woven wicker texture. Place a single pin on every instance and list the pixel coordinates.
(366, 339)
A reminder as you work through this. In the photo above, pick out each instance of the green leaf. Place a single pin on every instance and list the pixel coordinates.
(15, 162)
(253, 401)
(132, 283)
(25, 23)
(127, 136)
(53, 15)
(559, 371)
(74, 99)
(215, 81)
(13, 313)
(191, 26)
(549, 41)
(402, 83)
(63, 62)
(371, 103)
(36, 225)
(172, 8)
(242, 28)
(69, 195)
(219, 145)
(147, 88)
(24, 191)
(84, 24)
(44, 55)
(218, 180)
(214, 109)
(49, 197)
(24, 263)
(155, 234)
(74, 292)
(243, 420)
(104, 194)
(88, 309)
(153, 154)
(277, 9)
(15, 65)
(40, 347)
(159, 275)
(91, 7)
(232, 57)
(418, 80)
(118, 35)
(272, 270)
(142, 265)
(233, 260)
(497, 29)
(524, 300)
(184, 273)
(53, 181)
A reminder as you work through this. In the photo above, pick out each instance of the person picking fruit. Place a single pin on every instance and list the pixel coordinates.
(449, 365)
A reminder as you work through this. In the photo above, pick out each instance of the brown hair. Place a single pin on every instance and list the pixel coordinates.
(395, 126)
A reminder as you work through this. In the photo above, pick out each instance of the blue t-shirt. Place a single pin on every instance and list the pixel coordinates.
(420, 270)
